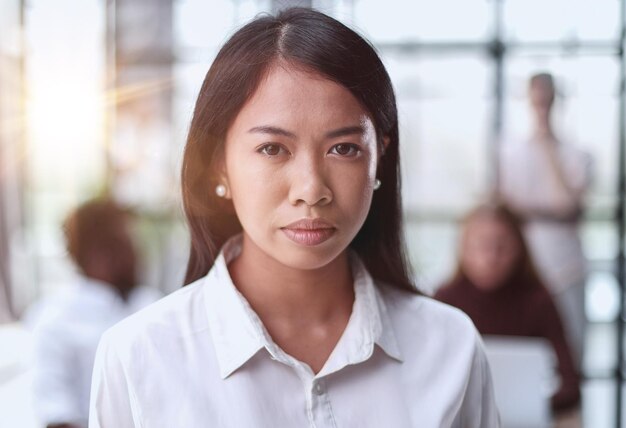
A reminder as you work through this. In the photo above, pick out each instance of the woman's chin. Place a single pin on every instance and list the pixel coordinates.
(488, 284)
(307, 259)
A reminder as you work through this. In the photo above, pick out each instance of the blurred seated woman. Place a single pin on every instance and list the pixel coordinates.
(497, 285)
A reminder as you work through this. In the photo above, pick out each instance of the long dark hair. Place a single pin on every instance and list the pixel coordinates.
(524, 269)
(311, 40)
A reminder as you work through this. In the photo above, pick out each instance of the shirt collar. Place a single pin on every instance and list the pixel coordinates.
(369, 325)
(238, 333)
(235, 335)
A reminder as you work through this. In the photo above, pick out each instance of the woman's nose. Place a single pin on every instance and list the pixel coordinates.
(308, 183)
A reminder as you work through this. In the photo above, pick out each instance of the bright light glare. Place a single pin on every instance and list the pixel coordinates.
(62, 113)
(65, 102)
(602, 302)
(65, 125)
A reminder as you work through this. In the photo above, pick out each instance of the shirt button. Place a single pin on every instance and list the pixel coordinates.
(318, 389)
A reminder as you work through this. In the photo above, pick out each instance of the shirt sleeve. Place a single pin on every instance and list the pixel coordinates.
(113, 403)
(478, 409)
(56, 393)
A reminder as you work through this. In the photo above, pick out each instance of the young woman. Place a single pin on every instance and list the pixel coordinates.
(299, 310)
(497, 286)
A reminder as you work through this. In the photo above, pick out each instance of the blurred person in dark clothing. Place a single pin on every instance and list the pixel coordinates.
(497, 285)
(68, 325)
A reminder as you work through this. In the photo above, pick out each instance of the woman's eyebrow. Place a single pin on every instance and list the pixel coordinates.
(272, 130)
(344, 132)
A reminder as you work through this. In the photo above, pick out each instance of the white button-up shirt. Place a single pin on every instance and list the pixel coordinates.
(527, 182)
(201, 357)
(67, 327)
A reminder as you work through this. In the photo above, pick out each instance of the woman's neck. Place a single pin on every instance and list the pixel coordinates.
(305, 311)
(281, 293)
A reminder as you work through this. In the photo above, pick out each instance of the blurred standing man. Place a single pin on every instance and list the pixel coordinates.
(544, 179)
(68, 326)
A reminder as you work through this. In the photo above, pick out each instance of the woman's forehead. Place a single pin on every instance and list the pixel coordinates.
(282, 77)
(294, 94)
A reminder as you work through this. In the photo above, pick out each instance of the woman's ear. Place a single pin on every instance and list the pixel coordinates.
(221, 185)
(384, 146)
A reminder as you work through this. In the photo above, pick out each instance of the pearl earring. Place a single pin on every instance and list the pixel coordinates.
(377, 184)
(220, 190)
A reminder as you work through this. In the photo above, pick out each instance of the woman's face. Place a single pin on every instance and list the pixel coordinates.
(489, 252)
(300, 164)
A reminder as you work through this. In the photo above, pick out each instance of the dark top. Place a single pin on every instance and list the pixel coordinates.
(519, 308)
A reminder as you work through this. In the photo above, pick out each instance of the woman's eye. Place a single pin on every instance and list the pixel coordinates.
(347, 150)
(271, 149)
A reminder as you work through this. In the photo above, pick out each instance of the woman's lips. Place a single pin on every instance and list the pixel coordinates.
(309, 232)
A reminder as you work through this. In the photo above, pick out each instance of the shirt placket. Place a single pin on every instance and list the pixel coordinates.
(320, 409)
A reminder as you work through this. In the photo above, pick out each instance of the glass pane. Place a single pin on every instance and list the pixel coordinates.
(198, 23)
(598, 402)
(599, 239)
(601, 299)
(539, 20)
(9, 28)
(65, 97)
(65, 129)
(140, 152)
(187, 82)
(596, 19)
(432, 251)
(443, 20)
(202, 24)
(11, 139)
(444, 119)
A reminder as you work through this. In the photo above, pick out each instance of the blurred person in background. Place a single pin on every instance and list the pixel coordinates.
(496, 284)
(544, 180)
(68, 325)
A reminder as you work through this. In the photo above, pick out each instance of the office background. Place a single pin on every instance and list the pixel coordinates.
(96, 97)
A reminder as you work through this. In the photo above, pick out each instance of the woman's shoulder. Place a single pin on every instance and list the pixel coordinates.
(423, 314)
(436, 336)
(177, 314)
